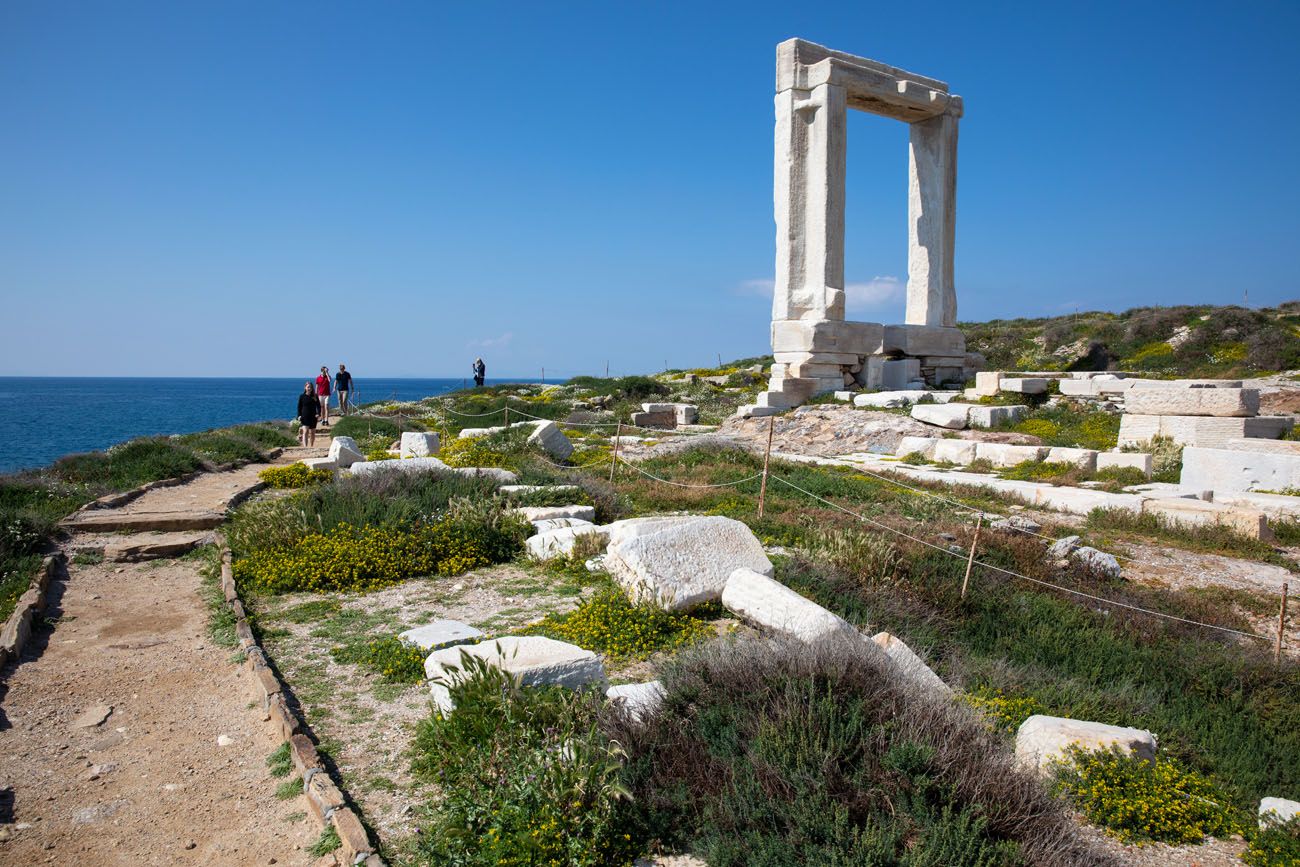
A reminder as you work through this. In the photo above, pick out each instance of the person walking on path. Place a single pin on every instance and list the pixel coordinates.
(323, 392)
(343, 385)
(308, 407)
(480, 372)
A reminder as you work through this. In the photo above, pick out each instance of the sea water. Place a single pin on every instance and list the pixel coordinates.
(43, 418)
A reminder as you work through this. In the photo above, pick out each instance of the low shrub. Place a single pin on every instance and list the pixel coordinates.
(1039, 427)
(1003, 713)
(360, 559)
(1138, 800)
(294, 476)
(392, 659)
(609, 624)
(868, 557)
(526, 778)
(1278, 845)
(268, 436)
(769, 754)
(220, 448)
(129, 464)
(361, 426)
(494, 450)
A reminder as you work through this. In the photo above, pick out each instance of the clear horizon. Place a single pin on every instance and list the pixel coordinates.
(218, 189)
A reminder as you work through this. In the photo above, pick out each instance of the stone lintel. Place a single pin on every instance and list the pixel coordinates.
(793, 56)
(922, 340)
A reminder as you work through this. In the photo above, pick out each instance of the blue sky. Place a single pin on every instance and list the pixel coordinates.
(239, 188)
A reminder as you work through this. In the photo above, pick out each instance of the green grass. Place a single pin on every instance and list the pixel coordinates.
(1209, 538)
(327, 842)
(221, 620)
(280, 762)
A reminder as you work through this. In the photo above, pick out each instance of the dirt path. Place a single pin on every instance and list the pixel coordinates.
(175, 773)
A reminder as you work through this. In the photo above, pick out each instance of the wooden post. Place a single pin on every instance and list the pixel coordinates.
(613, 463)
(719, 361)
(607, 368)
(507, 414)
(767, 456)
(970, 561)
(543, 376)
(1281, 624)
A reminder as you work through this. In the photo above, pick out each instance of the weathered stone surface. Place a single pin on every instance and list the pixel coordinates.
(918, 340)
(153, 546)
(440, 633)
(827, 335)
(419, 444)
(548, 437)
(992, 416)
(1041, 740)
(545, 513)
(666, 420)
(954, 451)
(1017, 523)
(1081, 501)
(895, 399)
(1097, 562)
(987, 383)
(679, 565)
(1140, 461)
(1063, 548)
(1007, 455)
(909, 664)
(1084, 459)
(345, 452)
(1256, 444)
(559, 542)
(922, 445)
(1220, 402)
(557, 523)
(532, 658)
(766, 603)
(1237, 470)
(1205, 431)
(641, 700)
(899, 373)
(1026, 385)
(1078, 388)
(951, 416)
(319, 464)
(1277, 811)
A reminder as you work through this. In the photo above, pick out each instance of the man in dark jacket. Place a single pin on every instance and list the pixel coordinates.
(343, 385)
(480, 372)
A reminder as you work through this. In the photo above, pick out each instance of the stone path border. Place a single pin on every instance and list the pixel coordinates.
(324, 798)
(18, 628)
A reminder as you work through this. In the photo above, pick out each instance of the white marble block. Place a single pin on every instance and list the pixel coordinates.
(419, 444)
(1042, 740)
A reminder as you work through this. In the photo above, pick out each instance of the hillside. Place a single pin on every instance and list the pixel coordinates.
(1201, 341)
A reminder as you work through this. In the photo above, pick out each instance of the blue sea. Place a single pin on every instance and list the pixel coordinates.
(44, 418)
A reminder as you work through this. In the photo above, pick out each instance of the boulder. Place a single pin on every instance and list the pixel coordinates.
(472, 432)
(1277, 811)
(345, 452)
(319, 464)
(640, 700)
(544, 513)
(533, 659)
(1063, 548)
(945, 415)
(630, 528)
(1017, 523)
(1042, 740)
(768, 604)
(548, 437)
(440, 633)
(1097, 562)
(681, 564)
(560, 541)
(419, 444)
(909, 664)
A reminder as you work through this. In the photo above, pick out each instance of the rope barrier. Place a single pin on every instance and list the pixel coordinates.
(1038, 581)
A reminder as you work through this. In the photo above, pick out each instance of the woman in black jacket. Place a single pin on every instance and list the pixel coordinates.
(308, 410)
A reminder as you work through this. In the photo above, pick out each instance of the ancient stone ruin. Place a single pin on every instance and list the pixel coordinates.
(816, 350)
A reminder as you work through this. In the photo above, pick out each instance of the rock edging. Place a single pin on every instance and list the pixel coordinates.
(325, 800)
(18, 628)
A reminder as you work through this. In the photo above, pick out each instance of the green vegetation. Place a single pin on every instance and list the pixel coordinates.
(1276, 846)
(1189, 341)
(1003, 713)
(280, 762)
(768, 755)
(326, 843)
(505, 798)
(361, 427)
(1069, 425)
(609, 624)
(391, 658)
(1139, 800)
(294, 476)
(503, 449)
